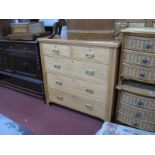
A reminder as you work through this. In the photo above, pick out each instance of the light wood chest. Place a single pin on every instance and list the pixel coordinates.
(80, 75)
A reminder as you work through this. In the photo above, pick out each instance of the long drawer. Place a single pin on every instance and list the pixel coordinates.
(81, 69)
(92, 107)
(138, 101)
(77, 86)
(140, 44)
(139, 58)
(145, 125)
(94, 54)
(56, 50)
(136, 112)
(139, 73)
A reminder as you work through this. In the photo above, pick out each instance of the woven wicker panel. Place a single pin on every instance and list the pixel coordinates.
(139, 58)
(136, 100)
(140, 43)
(137, 123)
(136, 112)
(138, 88)
(139, 73)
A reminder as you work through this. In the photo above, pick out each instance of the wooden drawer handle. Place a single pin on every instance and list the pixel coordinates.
(89, 72)
(56, 51)
(60, 98)
(58, 82)
(88, 106)
(90, 55)
(57, 66)
(90, 91)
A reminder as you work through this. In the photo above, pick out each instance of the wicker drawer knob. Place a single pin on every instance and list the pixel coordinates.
(142, 74)
(90, 55)
(89, 72)
(135, 124)
(140, 103)
(138, 114)
(57, 66)
(145, 60)
(58, 83)
(148, 46)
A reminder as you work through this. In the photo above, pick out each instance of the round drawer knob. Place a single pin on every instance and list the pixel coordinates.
(135, 124)
(140, 103)
(138, 114)
(145, 61)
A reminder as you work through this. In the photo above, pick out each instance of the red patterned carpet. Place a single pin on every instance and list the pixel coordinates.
(33, 114)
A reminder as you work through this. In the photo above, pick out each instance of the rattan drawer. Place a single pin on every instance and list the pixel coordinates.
(139, 73)
(93, 54)
(140, 44)
(56, 50)
(137, 88)
(137, 123)
(136, 112)
(136, 100)
(139, 58)
(83, 104)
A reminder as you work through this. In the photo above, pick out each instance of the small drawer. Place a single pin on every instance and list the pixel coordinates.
(140, 44)
(136, 112)
(56, 50)
(77, 86)
(137, 123)
(138, 101)
(19, 47)
(139, 58)
(87, 70)
(139, 73)
(96, 54)
(92, 107)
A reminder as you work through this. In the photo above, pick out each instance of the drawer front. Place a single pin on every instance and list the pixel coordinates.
(139, 73)
(56, 50)
(140, 43)
(77, 86)
(92, 107)
(138, 101)
(87, 70)
(135, 112)
(139, 58)
(96, 54)
(137, 123)
(20, 47)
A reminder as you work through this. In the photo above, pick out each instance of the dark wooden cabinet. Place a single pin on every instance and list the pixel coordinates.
(20, 65)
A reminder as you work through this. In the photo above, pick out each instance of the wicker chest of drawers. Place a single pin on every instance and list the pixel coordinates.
(80, 75)
(136, 99)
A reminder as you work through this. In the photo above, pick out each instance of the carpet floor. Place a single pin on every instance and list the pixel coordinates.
(33, 114)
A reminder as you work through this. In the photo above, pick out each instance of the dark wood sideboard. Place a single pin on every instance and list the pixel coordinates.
(20, 66)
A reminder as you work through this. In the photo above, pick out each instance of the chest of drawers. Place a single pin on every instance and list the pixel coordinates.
(136, 100)
(80, 75)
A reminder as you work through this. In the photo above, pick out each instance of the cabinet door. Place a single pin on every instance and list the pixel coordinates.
(7, 61)
(24, 63)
